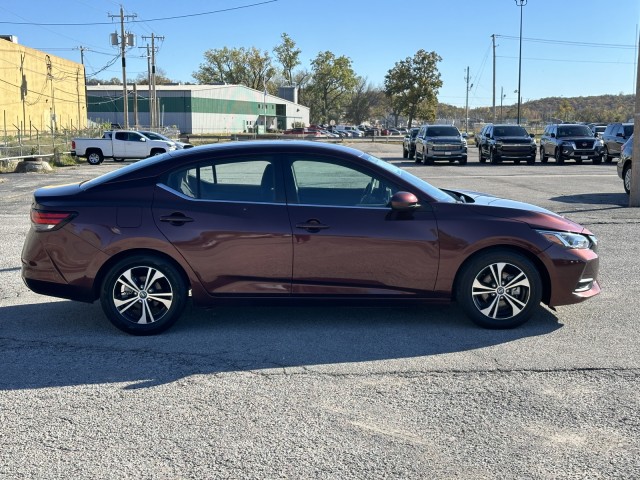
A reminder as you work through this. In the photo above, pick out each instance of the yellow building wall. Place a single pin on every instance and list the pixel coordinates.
(39, 92)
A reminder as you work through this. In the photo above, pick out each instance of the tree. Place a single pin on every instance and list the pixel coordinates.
(288, 56)
(332, 82)
(237, 66)
(413, 84)
(161, 78)
(362, 100)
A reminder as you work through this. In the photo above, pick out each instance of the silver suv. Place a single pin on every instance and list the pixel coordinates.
(440, 142)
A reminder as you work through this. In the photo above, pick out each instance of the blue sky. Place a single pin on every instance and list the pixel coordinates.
(570, 47)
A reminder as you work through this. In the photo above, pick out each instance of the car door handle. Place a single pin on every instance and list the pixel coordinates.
(176, 219)
(312, 225)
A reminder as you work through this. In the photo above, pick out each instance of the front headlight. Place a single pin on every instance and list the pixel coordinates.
(568, 239)
(599, 143)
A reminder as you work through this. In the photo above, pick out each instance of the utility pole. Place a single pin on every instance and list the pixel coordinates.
(493, 39)
(520, 3)
(153, 97)
(84, 74)
(125, 40)
(634, 195)
(466, 108)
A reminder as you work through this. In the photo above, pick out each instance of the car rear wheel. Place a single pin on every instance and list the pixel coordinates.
(143, 295)
(95, 157)
(499, 289)
(605, 155)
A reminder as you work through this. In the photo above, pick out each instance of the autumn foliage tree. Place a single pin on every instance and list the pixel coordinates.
(413, 84)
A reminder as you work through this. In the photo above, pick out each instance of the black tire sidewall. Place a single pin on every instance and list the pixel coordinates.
(180, 293)
(473, 267)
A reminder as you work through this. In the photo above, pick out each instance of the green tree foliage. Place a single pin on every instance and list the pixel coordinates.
(413, 85)
(289, 57)
(161, 78)
(364, 99)
(330, 87)
(236, 66)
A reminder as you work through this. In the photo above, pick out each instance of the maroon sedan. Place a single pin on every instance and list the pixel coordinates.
(296, 220)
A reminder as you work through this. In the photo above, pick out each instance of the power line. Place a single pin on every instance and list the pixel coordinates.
(140, 21)
(567, 42)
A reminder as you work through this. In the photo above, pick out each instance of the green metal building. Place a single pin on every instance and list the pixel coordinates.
(197, 109)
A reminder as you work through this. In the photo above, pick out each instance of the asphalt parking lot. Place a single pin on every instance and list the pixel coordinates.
(332, 392)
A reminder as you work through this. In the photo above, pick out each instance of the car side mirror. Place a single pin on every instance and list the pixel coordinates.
(553, 135)
(532, 135)
(488, 135)
(404, 201)
(620, 134)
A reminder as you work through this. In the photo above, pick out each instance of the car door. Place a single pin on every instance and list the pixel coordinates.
(228, 218)
(347, 240)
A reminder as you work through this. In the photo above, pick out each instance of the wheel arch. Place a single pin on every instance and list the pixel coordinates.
(106, 267)
(540, 267)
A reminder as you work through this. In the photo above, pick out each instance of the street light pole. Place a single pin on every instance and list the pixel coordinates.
(520, 3)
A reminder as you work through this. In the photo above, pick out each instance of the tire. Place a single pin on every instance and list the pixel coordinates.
(597, 160)
(427, 160)
(156, 151)
(605, 155)
(493, 158)
(138, 305)
(463, 161)
(531, 160)
(405, 153)
(506, 303)
(543, 157)
(417, 160)
(95, 157)
(559, 157)
(412, 152)
(118, 159)
(626, 179)
(481, 156)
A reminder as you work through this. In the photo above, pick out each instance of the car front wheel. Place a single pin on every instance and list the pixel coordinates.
(499, 289)
(143, 295)
(559, 157)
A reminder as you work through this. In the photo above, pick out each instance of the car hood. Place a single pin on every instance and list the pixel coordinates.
(534, 216)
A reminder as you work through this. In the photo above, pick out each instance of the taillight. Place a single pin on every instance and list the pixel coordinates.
(44, 220)
(73, 144)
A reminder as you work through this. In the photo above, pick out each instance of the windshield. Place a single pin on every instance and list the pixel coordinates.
(510, 131)
(154, 136)
(420, 184)
(574, 131)
(443, 131)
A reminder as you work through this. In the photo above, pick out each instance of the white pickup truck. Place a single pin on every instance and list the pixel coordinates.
(118, 144)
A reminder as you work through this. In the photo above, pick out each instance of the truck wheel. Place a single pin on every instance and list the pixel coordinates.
(95, 157)
(605, 155)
